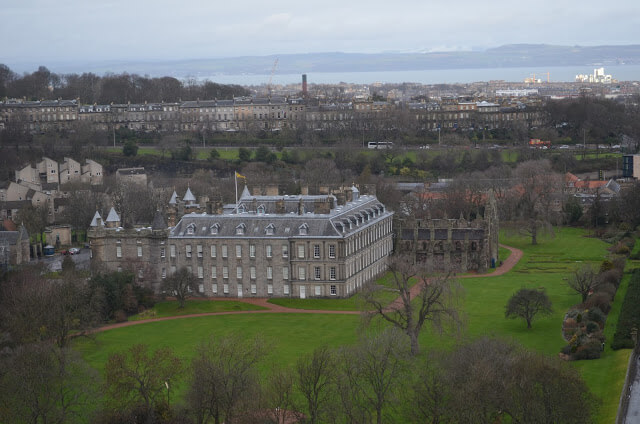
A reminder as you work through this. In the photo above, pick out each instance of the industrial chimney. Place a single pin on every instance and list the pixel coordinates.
(304, 85)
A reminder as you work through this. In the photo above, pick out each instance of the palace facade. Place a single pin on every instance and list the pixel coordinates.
(282, 246)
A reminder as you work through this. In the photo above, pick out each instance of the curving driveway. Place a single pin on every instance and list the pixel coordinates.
(506, 266)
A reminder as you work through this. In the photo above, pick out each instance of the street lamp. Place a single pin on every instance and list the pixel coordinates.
(166, 384)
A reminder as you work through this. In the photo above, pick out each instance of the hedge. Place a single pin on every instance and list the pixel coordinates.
(629, 315)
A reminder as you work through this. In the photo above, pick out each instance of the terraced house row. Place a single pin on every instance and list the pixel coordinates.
(271, 114)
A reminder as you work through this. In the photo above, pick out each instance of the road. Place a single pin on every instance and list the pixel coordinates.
(54, 263)
(633, 408)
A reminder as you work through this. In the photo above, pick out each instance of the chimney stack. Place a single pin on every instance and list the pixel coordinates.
(304, 85)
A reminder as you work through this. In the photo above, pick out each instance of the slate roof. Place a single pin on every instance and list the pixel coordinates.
(158, 222)
(340, 222)
(113, 216)
(94, 221)
(8, 237)
(188, 196)
(174, 198)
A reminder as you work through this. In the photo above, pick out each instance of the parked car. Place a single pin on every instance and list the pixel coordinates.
(564, 146)
(74, 251)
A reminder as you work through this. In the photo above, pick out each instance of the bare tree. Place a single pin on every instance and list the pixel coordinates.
(583, 281)
(82, 205)
(138, 377)
(278, 396)
(371, 373)
(435, 299)
(318, 172)
(225, 382)
(527, 303)
(181, 284)
(490, 380)
(34, 309)
(45, 384)
(315, 375)
(429, 397)
(534, 196)
(34, 218)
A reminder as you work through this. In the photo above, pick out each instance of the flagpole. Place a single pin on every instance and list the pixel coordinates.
(235, 176)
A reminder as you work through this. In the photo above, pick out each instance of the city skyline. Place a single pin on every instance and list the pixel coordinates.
(45, 32)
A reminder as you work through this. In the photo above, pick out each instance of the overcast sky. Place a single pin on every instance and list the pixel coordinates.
(44, 31)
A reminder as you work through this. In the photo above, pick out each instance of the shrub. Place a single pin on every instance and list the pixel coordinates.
(612, 276)
(599, 300)
(608, 289)
(120, 315)
(619, 263)
(592, 327)
(621, 249)
(570, 323)
(596, 315)
(606, 265)
(590, 350)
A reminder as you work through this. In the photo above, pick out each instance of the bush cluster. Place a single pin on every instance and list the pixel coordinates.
(583, 325)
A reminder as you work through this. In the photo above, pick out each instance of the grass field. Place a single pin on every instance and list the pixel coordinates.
(291, 335)
(172, 308)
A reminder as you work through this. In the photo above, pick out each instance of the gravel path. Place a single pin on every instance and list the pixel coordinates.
(507, 265)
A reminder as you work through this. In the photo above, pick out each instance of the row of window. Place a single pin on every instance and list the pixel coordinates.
(224, 251)
(302, 272)
(368, 236)
(333, 289)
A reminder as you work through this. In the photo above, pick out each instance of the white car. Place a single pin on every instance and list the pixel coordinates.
(564, 146)
(74, 251)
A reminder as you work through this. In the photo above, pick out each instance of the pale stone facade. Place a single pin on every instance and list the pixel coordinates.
(281, 246)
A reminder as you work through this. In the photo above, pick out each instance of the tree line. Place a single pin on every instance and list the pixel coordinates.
(90, 88)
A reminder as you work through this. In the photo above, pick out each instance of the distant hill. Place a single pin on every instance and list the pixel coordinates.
(508, 56)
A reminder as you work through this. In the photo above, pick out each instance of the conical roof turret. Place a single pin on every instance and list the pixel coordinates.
(188, 196)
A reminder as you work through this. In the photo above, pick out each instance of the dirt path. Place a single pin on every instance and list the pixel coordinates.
(506, 266)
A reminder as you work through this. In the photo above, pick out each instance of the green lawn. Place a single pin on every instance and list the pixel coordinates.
(351, 304)
(288, 335)
(354, 303)
(546, 265)
(172, 308)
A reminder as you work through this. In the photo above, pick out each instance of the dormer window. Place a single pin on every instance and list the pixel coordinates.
(270, 229)
(215, 228)
(242, 208)
(191, 229)
(240, 229)
(261, 210)
(303, 230)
